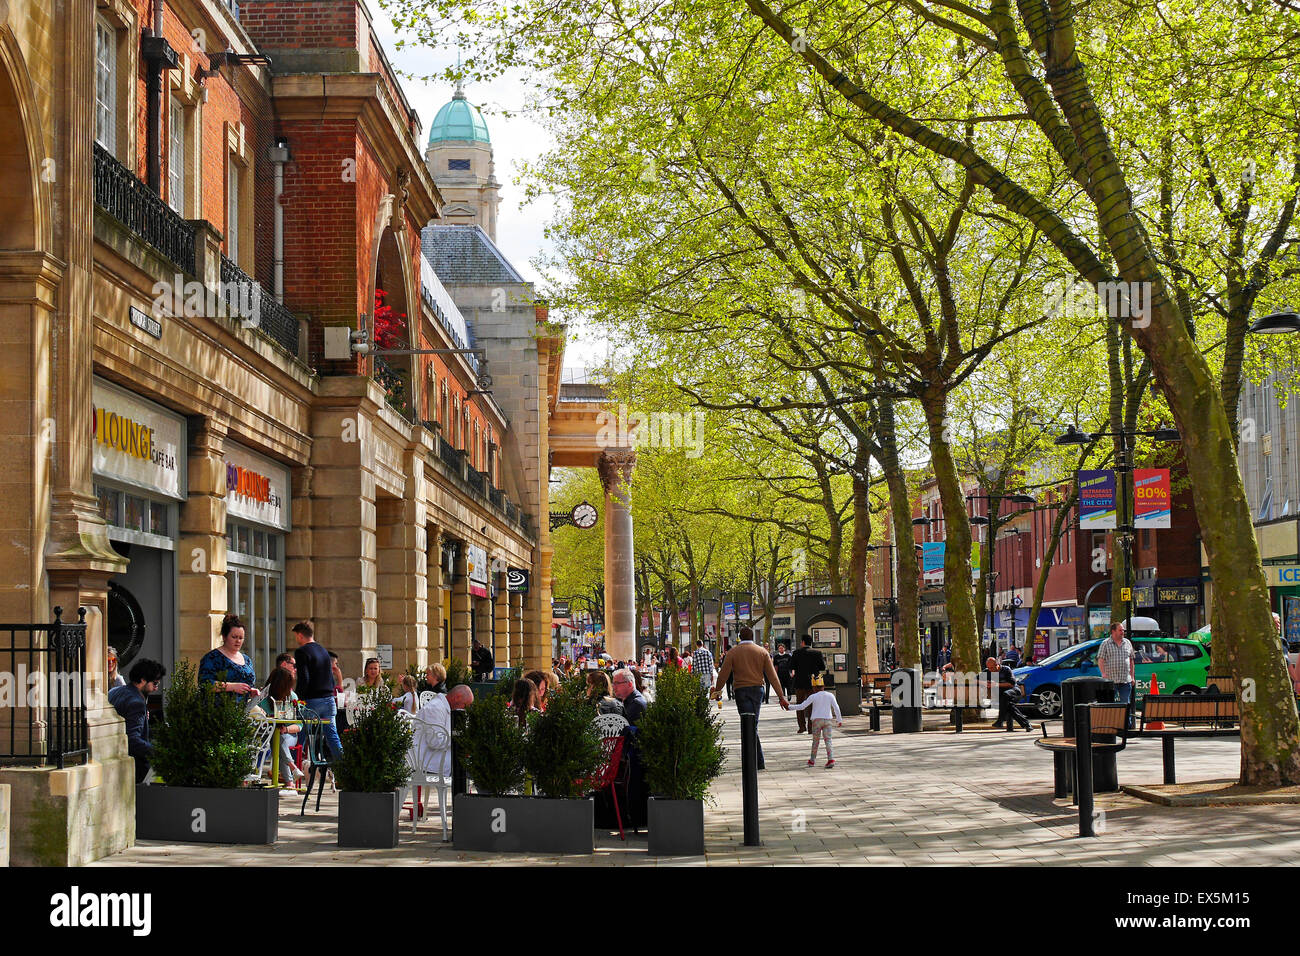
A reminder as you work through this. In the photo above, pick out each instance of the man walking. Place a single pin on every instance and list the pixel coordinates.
(316, 683)
(131, 701)
(702, 666)
(750, 665)
(805, 663)
(1115, 658)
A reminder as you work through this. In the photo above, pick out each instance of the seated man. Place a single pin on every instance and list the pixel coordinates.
(436, 715)
(131, 701)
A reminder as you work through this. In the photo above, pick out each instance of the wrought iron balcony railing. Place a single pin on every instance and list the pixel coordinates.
(452, 458)
(137, 207)
(268, 315)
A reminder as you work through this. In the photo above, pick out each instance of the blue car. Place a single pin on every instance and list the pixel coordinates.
(1180, 666)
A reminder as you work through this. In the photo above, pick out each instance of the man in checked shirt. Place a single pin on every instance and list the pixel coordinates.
(1115, 658)
(702, 666)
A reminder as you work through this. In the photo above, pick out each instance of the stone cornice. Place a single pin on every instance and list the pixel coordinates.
(30, 275)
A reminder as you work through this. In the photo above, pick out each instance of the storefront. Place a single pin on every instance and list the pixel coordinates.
(139, 468)
(480, 619)
(1058, 628)
(1173, 602)
(257, 519)
(934, 627)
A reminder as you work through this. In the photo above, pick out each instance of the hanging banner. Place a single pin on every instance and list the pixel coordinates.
(1097, 499)
(728, 611)
(742, 612)
(932, 560)
(1151, 498)
(476, 566)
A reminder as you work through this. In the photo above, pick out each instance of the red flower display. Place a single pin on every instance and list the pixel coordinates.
(390, 326)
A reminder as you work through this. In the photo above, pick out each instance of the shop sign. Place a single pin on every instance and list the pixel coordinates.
(1144, 595)
(1282, 575)
(257, 489)
(517, 580)
(936, 611)
(1177, 594)
(137, 442)
(560, 610)
(385, 653)
(476, 567)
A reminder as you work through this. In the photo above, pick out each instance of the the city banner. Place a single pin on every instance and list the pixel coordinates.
(932, 560)
(1097, 499)
(1151, 498)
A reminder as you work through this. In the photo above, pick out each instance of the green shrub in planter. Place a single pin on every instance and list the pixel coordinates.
(205, 738)
(491, 746)
(457, 672)
(563, 748)
(680, 738)
(374, 750)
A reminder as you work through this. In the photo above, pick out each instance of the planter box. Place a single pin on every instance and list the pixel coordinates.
(676, 827)
(369, 819)
(203, 815)
(522, 824)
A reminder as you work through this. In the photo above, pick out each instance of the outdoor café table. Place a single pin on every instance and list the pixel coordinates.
(280, 724)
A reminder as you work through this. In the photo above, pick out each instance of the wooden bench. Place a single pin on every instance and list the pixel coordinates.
(1197, 715)
(1109, 723)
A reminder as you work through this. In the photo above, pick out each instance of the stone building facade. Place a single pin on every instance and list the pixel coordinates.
(195, 193)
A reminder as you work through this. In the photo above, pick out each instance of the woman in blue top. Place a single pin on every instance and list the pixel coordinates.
(225, 667)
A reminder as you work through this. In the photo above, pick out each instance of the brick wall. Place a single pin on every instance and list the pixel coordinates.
(301, 24)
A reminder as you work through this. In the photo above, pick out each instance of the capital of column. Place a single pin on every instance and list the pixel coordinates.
(615, 468)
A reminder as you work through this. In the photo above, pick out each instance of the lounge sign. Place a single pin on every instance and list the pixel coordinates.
(137, 442)
(257, 489)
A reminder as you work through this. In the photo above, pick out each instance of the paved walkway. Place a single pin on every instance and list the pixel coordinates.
(914, 799)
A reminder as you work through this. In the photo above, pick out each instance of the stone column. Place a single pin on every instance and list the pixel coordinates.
(299, 602)
(615, 467)
(536, 611)
(433, 594)
(201, 547)
(515, 604)
(401, 564)
(462, 606)
(502, 622)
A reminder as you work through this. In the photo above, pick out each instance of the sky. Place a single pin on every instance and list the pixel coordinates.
(515, 141)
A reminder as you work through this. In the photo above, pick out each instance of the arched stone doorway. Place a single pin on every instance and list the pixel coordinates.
(391, 281)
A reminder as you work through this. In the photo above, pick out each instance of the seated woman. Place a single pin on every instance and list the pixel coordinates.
(281, 703)
(601, 693)
(524, 701)
(435, 675)
(544, 682)
(409, 701)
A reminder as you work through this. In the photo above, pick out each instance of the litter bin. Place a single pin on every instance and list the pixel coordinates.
(1090, 690)
(905, 700)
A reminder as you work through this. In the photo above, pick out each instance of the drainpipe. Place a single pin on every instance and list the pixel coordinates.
(279, 154)
(159, 57)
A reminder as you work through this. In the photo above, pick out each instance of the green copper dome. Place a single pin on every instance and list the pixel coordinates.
(458, 120)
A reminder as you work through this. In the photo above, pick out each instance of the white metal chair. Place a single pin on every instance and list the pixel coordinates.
(263, 739)
(426, 696)
(610, 725)
(430, 748)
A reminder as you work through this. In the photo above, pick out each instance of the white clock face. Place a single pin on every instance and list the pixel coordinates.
(584, 516)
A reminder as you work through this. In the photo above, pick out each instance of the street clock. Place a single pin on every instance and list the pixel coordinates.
(584, 515)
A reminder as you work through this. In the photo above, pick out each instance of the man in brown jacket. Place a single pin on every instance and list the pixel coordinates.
(751, 667)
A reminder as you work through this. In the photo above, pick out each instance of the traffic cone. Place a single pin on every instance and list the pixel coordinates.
(1155, 689)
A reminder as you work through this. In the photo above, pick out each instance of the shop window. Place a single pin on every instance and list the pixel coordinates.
(108, 504)
(158, 518)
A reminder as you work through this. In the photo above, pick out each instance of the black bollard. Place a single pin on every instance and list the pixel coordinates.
(875, 716)
(749, 775)
(1083, 767)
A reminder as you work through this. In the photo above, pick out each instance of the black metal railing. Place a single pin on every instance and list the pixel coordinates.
(476, 480)
(47, 719)
(137, 207)
(497, 497)
(247, 299)
(512, 513)
(452, 458)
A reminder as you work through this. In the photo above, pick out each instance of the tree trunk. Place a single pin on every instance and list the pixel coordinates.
(907, 637)
(868, 658)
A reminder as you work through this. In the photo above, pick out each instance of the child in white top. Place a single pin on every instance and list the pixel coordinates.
(824, 708)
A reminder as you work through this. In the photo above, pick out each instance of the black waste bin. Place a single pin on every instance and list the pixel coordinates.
(905, 700)
(1090, 690)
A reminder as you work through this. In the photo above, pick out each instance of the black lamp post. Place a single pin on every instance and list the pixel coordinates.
(1124, 466)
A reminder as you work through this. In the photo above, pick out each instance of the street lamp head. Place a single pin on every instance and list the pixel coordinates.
(979, 519)
(920, 522)
(1073, 436)
(1022, 499)
(1166, 434)
(1281, 321)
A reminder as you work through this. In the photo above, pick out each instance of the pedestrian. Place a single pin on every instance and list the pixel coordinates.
(731, 689)
(482, 661)
(1115, 658)
(823, 708)
(781, 661)
(1008, 713)
(748, 665)
(1013, 656)
(805, 663)
(114, 678)
(702, 666)
(316, 683)
(131, 701)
